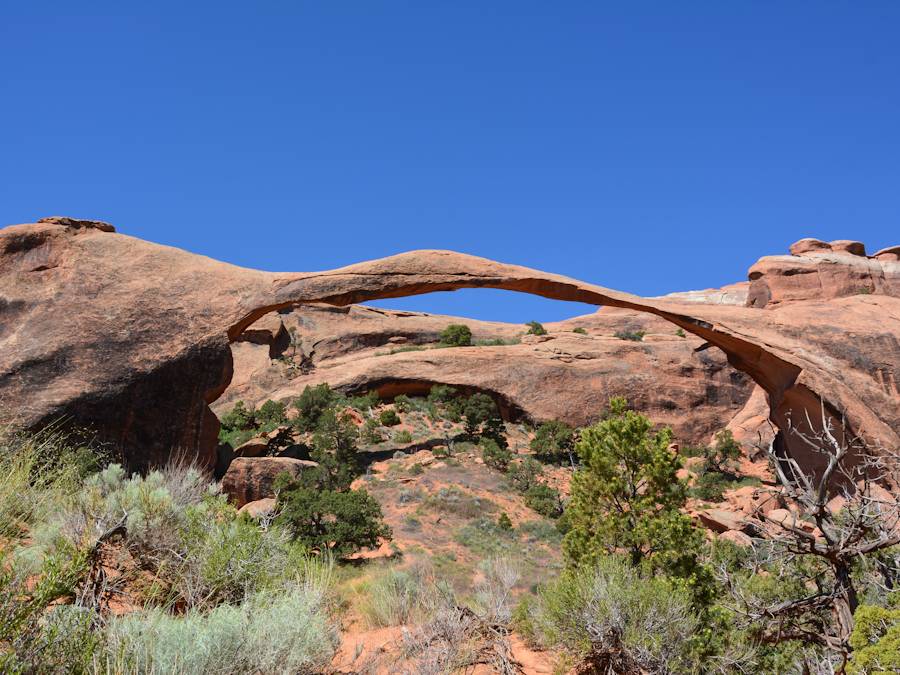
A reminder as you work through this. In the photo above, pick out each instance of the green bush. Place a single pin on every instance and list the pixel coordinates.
(389, 417)
(524, 474)
(504, 522)
(580, 331)
(312, 404)
(403, 403)
(534, 328)
(280, 630)
(544, 500)
(456, 335)
(363, 403)
(330, 521)
(495, 455)
(229, 556)
(270, 414)
(680, 333)
(632, 335)
(370, 432)
(875, 641)
(554, 441)
(403, 436)
(608, 609)
(710, 487)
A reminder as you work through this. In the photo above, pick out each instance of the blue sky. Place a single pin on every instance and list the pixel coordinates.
(644, 146)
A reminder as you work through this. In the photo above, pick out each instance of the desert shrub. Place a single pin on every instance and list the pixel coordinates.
(524, 474)
(721, 454)
(153, 508)
(680, 333)
(396, 597)
(535, 328)
(403, 403)
(554, 441)
(311, 404)
(456, 335)
(239, 417)
(370, 432)
(403, 436)
(446, 399)
(363, 403)
(504, 522)
(710, 487)
(36, 635)
(37, 473)
(875, 641)
(457, 501)
(631, 335)
(485, 537)
(610, 612)
(541, 530)
(493, 592)
(545, 500)
(494, 455)
(229, 556)
(580, 331)
(627, 497)
(279, 630)
(330, 521)
(389, 417)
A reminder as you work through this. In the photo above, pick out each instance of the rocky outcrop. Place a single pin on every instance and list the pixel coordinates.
(132, 338)
(563, 375)
(817, 270)
(249, 479)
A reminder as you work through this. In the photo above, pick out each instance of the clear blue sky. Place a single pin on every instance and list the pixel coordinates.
(645, 146)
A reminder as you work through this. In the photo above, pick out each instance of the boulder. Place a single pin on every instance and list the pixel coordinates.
(249, 479)
(720, 520)
(259, 508)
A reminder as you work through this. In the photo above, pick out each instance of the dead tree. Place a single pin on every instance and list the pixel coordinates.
(840, 517)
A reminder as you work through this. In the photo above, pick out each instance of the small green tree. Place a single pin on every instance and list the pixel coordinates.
(494, 455)
(483, 418)
(334, 448)
(504, 522)
(627, 497)
(270, 414)
(329, 520)
(311, 404)
(239, 417)
(456, 335)
(580, 331)
(535, 328)
(554, 441)
(389, 417)
(720, 455)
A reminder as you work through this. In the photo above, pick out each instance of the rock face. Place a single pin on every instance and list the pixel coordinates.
(819, 270)
(132, 338)
(249, 479)
(563, 375)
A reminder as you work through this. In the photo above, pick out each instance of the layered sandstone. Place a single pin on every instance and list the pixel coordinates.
(132, 338)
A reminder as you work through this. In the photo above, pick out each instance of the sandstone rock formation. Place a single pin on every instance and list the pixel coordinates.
(563, 375)
(819, 270)
(249, 479)
(132, 338)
